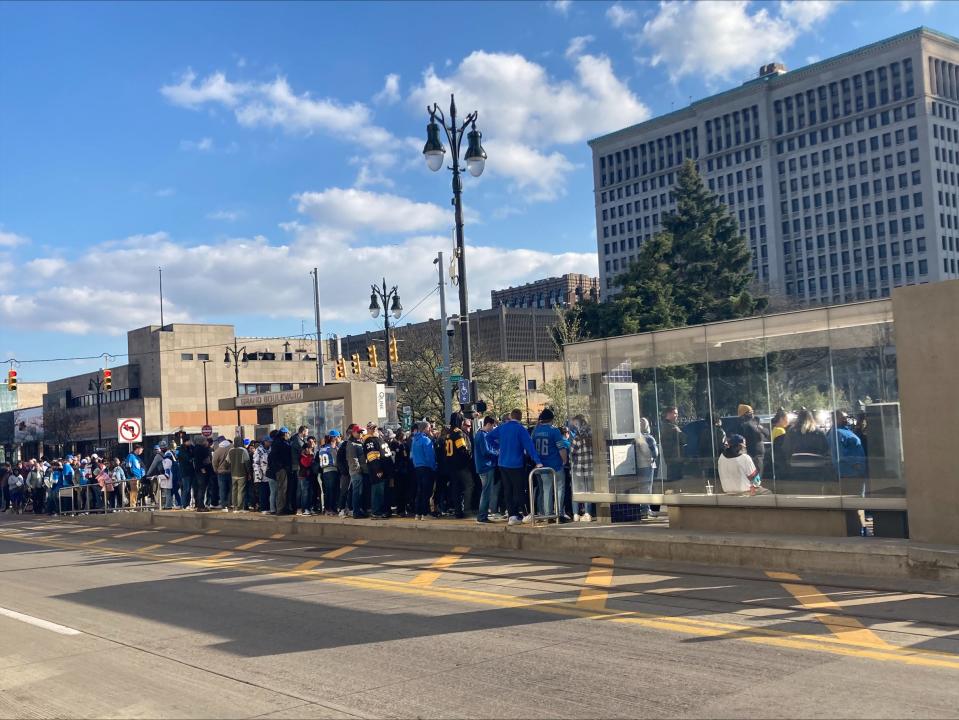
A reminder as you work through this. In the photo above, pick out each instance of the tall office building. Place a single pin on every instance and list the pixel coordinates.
(842, 174)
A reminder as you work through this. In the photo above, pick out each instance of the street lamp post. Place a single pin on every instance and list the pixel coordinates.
(234, 356)
(526, 389)
(390, 299)
(475, 163)
(206, 396)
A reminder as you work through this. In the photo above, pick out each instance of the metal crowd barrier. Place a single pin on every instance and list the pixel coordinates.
(532, 496)
(133, 499)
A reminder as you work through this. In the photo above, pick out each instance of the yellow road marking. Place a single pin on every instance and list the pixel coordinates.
(217, 556)
(340, 552)
(131, 534)
(600, 575)
(683, 624)
(184, 539)
(84, 530)
(277, 536)
(94, 542)
(148, 548)
(308, 565)
(212, 532)
(252, 544)
(428, 577)
(812, 599)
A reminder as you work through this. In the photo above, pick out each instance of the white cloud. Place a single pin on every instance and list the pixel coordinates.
(165, 192)
(214, 88)
(537, 175)
(275, 104)
(275, 284)
(45, 267)
(924, 5)
(9, 239)
(352, 209)
(577, 45)
(517, 99)
(806, 13)
(201, 145)
(390, 92)
(226, 215)
(717, 39)
(620, 16)
(560, 6)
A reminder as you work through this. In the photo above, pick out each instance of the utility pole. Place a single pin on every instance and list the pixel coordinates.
(444, 343)
(321, 381)
(160, 270)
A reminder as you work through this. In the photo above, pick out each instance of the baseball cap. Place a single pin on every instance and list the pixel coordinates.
(246, 441)
(267, 438)
(163, 444)
(69, 457)
(284, 429)
(355, 428)
(735, 440)
(334, 433)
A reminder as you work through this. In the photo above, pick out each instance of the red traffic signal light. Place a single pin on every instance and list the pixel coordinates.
(107, 379)
(11, 380)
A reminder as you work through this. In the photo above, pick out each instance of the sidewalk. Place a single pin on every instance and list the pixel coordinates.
(854, 556)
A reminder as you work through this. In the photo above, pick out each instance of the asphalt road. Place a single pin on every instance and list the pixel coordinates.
(109, 622)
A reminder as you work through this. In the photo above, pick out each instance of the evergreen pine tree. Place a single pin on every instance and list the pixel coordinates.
(696, 270)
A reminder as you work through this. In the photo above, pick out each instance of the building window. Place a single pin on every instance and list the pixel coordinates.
(186, 356)
(531, 384)
(202, 356)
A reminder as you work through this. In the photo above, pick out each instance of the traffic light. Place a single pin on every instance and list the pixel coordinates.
(371, 355)
(107, 379)
(12, 380)
(355, 362)
(340, 368)
(394, 355)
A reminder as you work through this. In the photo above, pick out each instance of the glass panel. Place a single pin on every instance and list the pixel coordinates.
(631, 394)
(864, 436)
(737, 378)
(320, 417)
(682, 392)
(584, 372)
(797, 356)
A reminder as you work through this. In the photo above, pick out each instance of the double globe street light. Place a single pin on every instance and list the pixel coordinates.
(434, 153)
(389, 298)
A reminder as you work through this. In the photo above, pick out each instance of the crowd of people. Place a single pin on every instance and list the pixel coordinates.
(452, 470)
(430, 472)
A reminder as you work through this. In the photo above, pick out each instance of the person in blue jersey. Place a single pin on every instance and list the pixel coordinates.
(423, 457)
(515, 445)
(552, 449)
(484, 458)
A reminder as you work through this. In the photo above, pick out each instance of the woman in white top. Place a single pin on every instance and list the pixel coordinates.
(737, 471)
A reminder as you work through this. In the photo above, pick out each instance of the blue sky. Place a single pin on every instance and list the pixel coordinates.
(240, 144)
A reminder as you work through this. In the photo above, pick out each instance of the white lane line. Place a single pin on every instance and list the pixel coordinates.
(45, 624)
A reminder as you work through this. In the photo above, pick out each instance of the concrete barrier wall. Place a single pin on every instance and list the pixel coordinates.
(927, 356)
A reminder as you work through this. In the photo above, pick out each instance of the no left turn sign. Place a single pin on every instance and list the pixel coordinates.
(129, 430)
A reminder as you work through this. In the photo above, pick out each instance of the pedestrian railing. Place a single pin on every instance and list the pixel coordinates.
(91, 498)
(532, 496)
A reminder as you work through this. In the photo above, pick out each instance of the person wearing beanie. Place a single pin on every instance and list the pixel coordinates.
(754, 434)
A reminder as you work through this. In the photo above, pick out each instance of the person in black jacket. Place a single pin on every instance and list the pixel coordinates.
(184, 458)
(458, 464)
(755, 435)
(279, 466)
(203, 474)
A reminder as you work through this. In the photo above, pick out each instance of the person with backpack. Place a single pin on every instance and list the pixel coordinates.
(647, 455)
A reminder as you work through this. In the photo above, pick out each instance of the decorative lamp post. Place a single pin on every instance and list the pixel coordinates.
(235, 356)
(475, 157)
(389, 298)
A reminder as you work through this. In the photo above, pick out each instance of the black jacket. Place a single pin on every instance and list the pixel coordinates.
(755, 434)
(280, 458)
